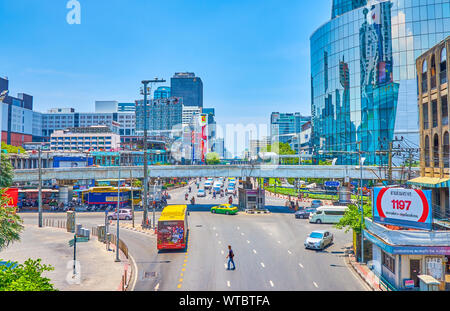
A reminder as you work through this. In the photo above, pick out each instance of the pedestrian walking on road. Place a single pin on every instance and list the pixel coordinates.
(230, 258)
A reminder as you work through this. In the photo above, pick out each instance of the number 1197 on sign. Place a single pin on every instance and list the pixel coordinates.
(401, 204)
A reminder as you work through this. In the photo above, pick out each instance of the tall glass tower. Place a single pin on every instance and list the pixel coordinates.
(363, 76)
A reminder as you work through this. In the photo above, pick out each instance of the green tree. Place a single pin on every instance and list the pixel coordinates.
(25, 277)
(12, 149)
(10, 223)
(6, 172)
(212, 158)
(352, 218)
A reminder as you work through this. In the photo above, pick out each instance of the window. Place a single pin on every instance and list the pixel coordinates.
(446, 150)
(436, 150)
(443, 66)
(427, 151)
(425, 116)
(434, 112)
(444, 110)
(433, 72)
(388, 262)
(424, 77)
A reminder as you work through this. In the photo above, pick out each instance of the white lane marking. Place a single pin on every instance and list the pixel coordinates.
(279, 242)
(238, 228)
(220, 242)
(289, 252)
(315, 284)
(228, 284)
(270, 233)
(271, 283)
(242, 233)
(254, 251)
(157, 287)
(300, 265)
(214, 228)
(222, 252)
(262, 264)
(248, 241)
(217, 234)
(225, 265)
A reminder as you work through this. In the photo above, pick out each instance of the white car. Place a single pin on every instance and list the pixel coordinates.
(230, 190)
(201, 193)
(319, 239)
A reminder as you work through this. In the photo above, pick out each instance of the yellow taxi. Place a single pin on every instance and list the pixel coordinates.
(228, 209)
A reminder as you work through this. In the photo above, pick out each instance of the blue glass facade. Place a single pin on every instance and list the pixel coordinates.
(363, 77)
(187, 86)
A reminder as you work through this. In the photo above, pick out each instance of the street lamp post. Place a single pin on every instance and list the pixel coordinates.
(40, 187)
(117, 214)
(145, 200)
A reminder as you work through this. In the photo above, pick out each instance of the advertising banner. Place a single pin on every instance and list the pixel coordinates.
(13, 195)
(409, 208)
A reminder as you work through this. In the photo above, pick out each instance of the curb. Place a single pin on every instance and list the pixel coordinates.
(369, 280)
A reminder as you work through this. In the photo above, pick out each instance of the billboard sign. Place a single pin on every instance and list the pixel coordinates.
(13, 195)
(409, 208)
(332, 184)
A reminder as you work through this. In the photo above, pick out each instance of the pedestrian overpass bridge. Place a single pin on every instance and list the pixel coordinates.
(344, 172)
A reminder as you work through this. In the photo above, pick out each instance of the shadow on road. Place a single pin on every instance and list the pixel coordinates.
(207, 208)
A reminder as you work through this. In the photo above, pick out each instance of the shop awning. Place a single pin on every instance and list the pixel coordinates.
(430, 182)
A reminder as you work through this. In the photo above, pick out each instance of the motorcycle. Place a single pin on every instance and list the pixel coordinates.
(193, 201)
(186, 196)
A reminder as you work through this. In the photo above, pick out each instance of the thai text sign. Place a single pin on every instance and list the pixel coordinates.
(409, 208)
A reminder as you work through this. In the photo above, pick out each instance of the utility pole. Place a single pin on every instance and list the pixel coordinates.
(40, 187)
(132, 197)
(390, 163)
(117, 214)
(145, 200)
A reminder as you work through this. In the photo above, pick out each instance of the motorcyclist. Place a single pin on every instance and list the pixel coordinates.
(190, 189)
(193, 201)
(186, 196)
(214, 194)
(230, 200)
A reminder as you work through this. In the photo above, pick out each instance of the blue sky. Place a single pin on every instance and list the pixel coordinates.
(253, 56)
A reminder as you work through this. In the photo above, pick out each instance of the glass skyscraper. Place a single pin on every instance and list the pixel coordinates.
(187, 86)
(363, 77)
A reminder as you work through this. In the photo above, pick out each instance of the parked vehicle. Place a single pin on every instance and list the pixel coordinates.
(328, 214)
(319, 239)
(316, 203)
(304, 214)
(123, 214)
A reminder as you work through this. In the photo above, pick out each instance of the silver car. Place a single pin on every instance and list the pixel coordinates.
(319, 239)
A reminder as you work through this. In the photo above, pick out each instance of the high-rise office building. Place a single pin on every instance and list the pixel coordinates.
(285, 125)
(161, 92)
(187, 86)
(126, 107)
(363, 75)
(106, 106)
(162, 116)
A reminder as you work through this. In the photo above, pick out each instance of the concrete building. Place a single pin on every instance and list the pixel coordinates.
(19, 123)
(189, 113)
(62, 118)
(95, 138)
(258, 145)
(126, 107)
(163, 116)
(433, 76)
(187, 86)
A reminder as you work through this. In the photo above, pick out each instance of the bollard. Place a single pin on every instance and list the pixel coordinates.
(123, 283)
(126, 275)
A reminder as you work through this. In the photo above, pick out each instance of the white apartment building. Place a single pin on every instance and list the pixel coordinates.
(94, 138)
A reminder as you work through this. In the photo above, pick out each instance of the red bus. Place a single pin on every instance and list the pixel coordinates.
(173, 227)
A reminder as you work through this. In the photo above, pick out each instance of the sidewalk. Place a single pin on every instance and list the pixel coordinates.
(364, 273)
(98, 271)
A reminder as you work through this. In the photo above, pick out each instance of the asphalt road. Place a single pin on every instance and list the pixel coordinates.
(269, 251)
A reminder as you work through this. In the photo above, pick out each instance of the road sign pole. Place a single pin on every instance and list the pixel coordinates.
(118, 215)
(74, 253)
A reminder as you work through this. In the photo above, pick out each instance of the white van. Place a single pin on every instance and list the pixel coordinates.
(328, 214)
(207, 185)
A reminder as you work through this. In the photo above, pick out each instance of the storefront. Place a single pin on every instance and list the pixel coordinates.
(400, 256)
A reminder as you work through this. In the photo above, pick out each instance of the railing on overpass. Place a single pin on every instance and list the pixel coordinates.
(193, 171)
